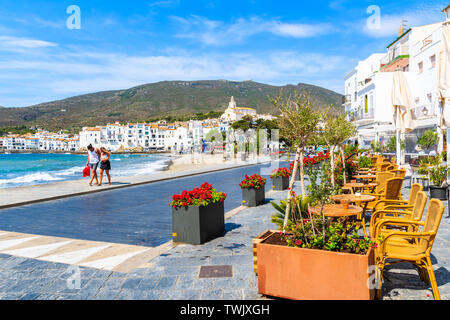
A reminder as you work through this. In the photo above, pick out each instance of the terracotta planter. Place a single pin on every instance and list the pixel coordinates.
(308, 274)
(257, 240)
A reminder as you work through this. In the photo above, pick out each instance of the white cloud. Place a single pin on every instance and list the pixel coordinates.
(164, 3)
(11, 43)
(299, 30)
(213, 32)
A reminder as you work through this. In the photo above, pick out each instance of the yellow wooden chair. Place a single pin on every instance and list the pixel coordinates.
(399, 173)
(382, 178)
(374, 160)
(383, 166)
(405, 205)
(390, 192)
(398, 245)
(415, 214)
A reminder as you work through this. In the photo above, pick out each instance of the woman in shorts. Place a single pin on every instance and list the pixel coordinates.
(105, 165)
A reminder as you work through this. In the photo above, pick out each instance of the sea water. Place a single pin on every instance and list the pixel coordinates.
(30, 169)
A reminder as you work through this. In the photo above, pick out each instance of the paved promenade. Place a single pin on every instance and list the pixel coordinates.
(12, 197)
(175, 273)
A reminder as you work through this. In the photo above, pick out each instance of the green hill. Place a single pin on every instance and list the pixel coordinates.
(156, 100)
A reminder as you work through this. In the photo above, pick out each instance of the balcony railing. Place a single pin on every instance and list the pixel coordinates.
(361, 115)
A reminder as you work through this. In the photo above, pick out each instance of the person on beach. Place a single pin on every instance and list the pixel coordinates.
(105, 165)
(93, 161)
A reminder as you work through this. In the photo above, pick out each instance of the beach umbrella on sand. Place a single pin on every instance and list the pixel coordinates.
(444, 81)
(402, 103)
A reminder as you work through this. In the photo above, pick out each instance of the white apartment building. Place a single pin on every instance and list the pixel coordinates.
(368, 86)
(45, 141)
(148, 136)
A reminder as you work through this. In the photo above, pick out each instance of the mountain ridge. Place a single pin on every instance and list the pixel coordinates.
(157, 99)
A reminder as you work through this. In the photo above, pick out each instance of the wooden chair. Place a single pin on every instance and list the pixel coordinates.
(399, 173)
(383, 166)
(415, 214)
(406, 205)
(398, 245)
(390, 192)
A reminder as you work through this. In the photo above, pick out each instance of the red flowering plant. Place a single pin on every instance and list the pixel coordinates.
(280, 172)
(310, 161)
(200, 197)
(253, 182)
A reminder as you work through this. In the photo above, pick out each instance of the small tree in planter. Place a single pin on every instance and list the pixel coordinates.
(335, 132)
(198, 215)
(280, 178)
(377, 147)
(298, 124)
(391, 145)
(428, 139)
(317, 258)
(253, 191)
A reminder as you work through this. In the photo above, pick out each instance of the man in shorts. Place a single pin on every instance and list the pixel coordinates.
(93, 162)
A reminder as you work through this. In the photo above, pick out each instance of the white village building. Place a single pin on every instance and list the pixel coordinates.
(368, 87)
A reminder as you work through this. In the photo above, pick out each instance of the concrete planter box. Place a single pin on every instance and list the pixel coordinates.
(253, 197)
(438, 192)
(308, 274)
(280, 183)
(197, 225)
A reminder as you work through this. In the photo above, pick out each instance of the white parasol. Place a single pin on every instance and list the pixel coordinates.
(402, 103)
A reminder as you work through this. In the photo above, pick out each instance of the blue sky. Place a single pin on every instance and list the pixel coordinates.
(122, 44)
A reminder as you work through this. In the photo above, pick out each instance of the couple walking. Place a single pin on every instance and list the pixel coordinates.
(95, 157)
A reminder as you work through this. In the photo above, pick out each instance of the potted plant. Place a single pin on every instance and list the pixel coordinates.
(438, 185)
(253, 191)
(364, 162)
(280, 178)
(437, 173)
(316, 258)
(198, 216)
(304, 265)
(428, 139)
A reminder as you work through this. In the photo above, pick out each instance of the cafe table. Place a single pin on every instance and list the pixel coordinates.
(367, 172)
(336, 210)
(358, 186)
(368, 177)
(359, 200)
